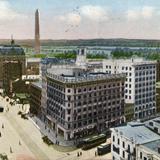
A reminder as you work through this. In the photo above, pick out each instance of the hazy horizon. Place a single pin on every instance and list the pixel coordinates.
(81, 19)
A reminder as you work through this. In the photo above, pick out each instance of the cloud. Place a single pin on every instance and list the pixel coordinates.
(145, 12)
(94, 12)
(7, 12)
(71, 18)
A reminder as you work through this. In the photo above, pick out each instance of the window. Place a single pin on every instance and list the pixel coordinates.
(123, 154)
(113, 138)
(118, 140)
(140, 155)
(128, 148)
(123, 144)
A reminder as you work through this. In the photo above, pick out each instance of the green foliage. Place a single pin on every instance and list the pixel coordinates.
(39, 55)
(3, 157)
(97, 56)
(119, 53)
(153, 56)
(65, 55)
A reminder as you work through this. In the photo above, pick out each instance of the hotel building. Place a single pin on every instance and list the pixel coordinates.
(140, 84)
(81, 102)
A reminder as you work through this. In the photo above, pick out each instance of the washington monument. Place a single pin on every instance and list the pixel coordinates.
(37, 34)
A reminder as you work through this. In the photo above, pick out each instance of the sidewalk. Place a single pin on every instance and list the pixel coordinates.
(50, 133)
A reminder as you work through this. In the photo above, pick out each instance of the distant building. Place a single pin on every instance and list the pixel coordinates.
(140, 84)
(33, 66)
(35, 98)
(12, 65)
(133, 142)
(12, 73)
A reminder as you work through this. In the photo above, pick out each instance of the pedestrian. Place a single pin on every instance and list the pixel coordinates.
(11, 150)
(77, 154)
(2, 125)
(19, 142)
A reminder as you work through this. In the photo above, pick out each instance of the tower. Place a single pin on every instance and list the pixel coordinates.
(81, 58)
(37, 33)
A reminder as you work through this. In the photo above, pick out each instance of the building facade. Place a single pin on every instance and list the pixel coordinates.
(35, 98)
(80, 103)
(140, 84)
(126, 141)
(12, 65)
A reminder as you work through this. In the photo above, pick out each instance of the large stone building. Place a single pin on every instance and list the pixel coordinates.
(80, 103)
(140, 84)
(12, 65)
(12, 73)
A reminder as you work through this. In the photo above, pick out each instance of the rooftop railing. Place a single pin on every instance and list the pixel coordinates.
(85, 78)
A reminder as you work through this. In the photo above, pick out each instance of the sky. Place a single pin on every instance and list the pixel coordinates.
(81, 19)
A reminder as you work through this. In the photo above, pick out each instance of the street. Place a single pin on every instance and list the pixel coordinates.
(21, 139)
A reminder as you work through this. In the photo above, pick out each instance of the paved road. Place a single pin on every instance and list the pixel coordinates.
(39, 154)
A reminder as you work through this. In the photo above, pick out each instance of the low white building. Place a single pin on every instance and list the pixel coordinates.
(126, 139)
(149, 151)
(140, 83)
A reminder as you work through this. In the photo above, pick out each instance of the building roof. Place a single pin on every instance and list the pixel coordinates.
(11, 50)
(131, 61)
(137, 132)
(75, 74)
(153, 146)
(37, 84)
